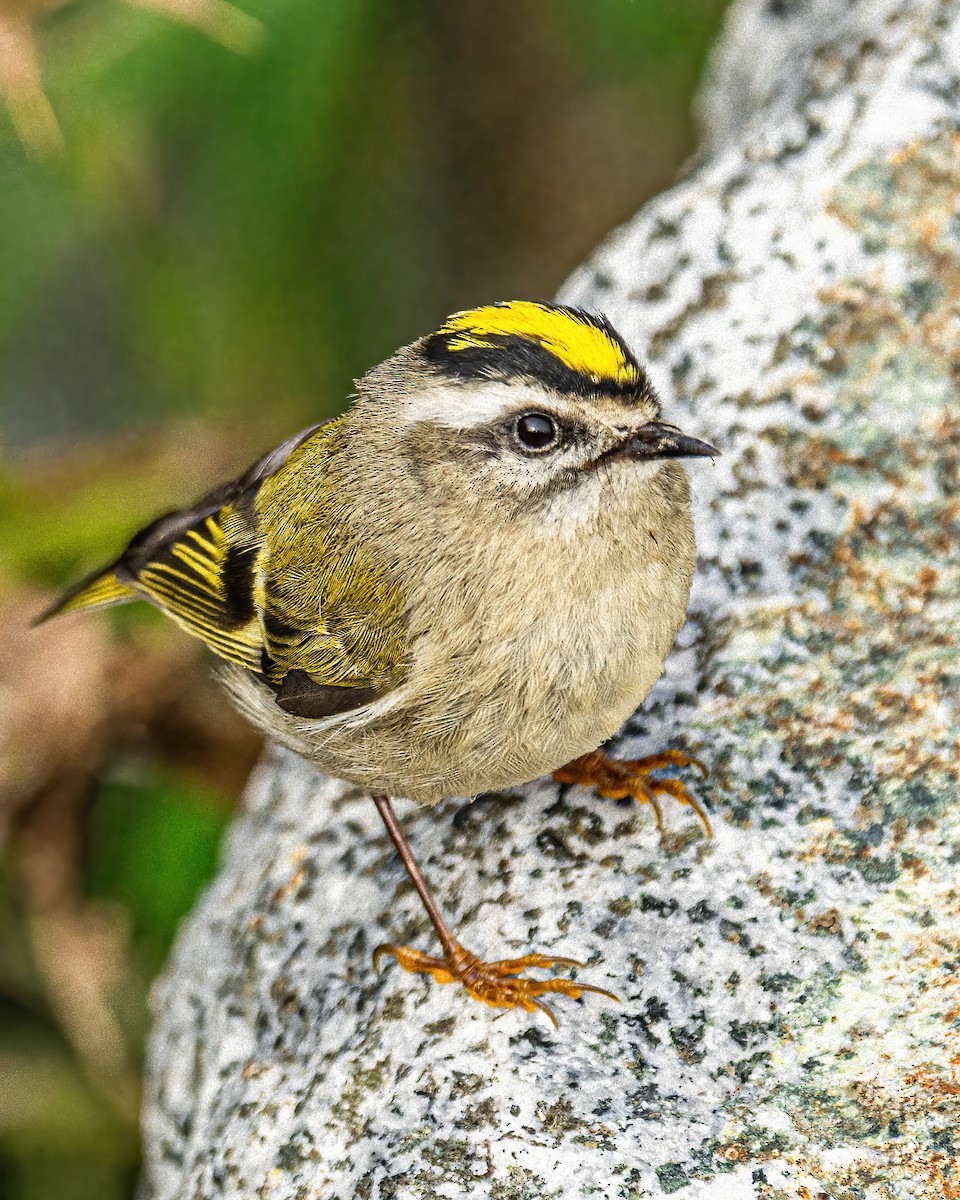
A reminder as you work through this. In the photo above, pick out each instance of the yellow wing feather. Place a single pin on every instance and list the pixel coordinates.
(267, 574)
(204, 583)
(101, 591)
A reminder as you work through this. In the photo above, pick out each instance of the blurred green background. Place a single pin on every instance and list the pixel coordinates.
(238, 221)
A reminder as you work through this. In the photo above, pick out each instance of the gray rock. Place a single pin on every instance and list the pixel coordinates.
(790, 1024)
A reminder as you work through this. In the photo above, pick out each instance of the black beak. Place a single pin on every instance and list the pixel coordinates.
(657, 440)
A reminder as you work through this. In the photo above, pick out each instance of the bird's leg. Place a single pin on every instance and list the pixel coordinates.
(495, 983)
(620, 778)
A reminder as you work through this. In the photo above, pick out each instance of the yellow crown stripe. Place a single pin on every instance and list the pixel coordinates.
(578, 344)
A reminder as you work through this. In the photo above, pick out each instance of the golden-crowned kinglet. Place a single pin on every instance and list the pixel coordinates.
(469, 579)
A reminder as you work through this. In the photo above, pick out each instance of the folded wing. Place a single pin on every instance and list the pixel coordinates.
(302, 608)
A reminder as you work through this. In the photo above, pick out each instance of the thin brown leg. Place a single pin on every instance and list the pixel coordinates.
(492, 983)
(404, 849)
(622, 778)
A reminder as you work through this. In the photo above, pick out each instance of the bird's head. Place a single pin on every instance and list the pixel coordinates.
(519, 404)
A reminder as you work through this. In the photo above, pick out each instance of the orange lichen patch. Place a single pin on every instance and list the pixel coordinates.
(823, 457)
(297, 859)
(912, 206)
(932, 1173)
(932, 1176)
(888, 576)
(734, 1152)
(828, 921)
(291, 885)
(919, 183)
(894, 1101)
(937, 1092)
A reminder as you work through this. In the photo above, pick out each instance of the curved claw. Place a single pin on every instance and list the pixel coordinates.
(650, 798)
(545, 1008)
(380, 951)
(695, 762)
(592, 987)
(679, 792)
(513, 966)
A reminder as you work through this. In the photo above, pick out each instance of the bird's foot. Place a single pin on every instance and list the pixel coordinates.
(622, 778)
(494, 983)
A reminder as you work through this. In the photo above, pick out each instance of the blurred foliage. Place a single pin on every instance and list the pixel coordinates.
(223, 243)
(224, 231)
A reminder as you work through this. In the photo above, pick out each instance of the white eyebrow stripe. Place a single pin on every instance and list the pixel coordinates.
(474, 405)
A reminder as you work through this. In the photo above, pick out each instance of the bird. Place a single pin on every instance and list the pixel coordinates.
(468, 580)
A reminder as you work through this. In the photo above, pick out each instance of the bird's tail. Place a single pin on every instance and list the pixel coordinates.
(100, 590)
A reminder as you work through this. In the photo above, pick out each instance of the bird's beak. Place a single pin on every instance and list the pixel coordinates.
(657, 440)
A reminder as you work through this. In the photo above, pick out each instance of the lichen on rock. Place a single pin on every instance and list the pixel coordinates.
(790, 1023)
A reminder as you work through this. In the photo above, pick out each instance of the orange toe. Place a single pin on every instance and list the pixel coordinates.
(495, 983)
(620, 778)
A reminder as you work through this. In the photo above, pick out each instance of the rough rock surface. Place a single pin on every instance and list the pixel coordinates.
(790, 1024)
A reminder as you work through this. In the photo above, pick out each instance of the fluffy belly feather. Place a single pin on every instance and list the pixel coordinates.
(503, 695)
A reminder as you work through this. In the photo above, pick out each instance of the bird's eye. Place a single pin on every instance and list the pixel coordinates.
(537, 431)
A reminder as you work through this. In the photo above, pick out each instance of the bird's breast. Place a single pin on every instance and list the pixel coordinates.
(525, 648)
(539, 654)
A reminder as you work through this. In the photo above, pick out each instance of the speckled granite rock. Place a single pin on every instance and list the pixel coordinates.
(790, 1024)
